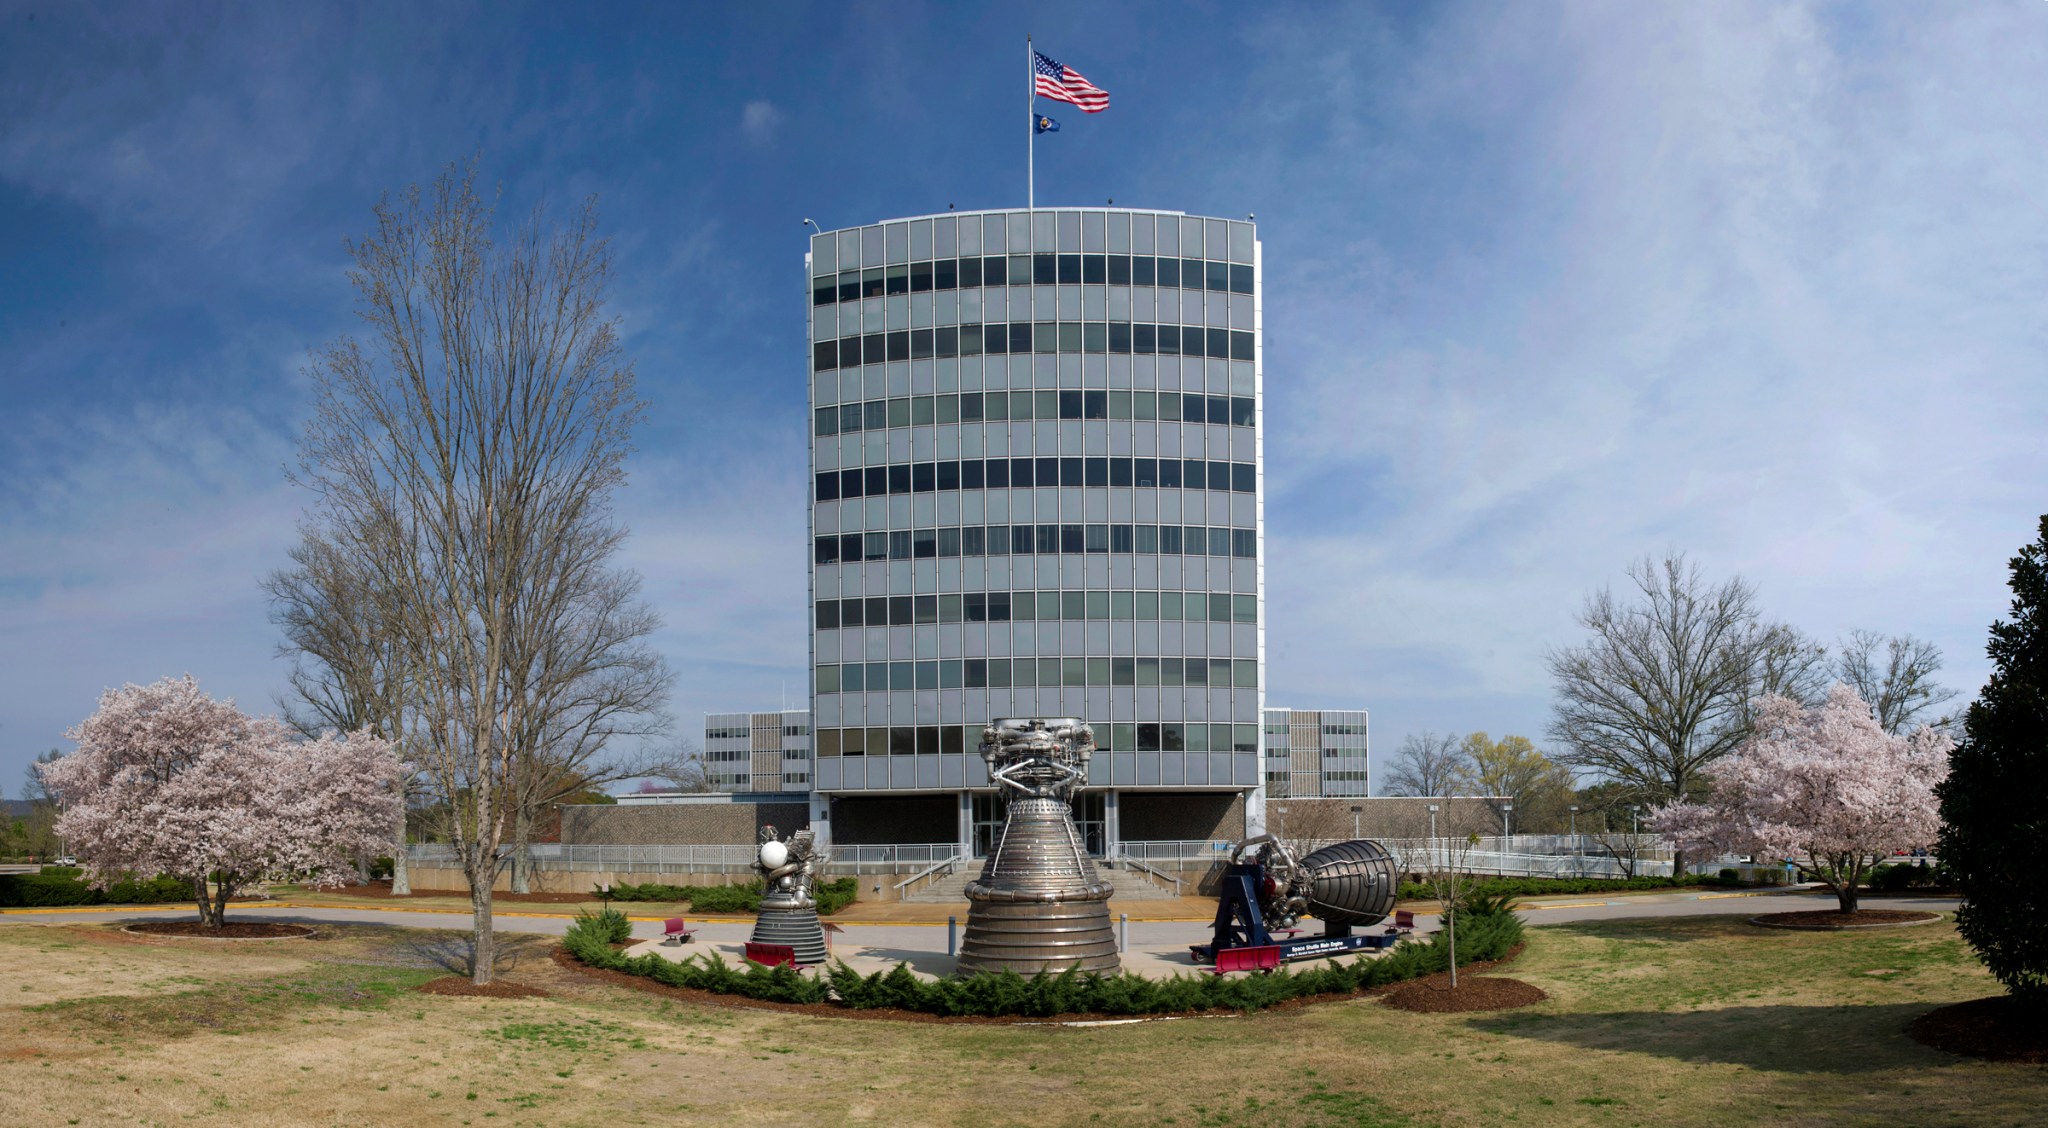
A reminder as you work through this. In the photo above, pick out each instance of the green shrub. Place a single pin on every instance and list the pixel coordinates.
(836, 894)
(57, 887)
(1545, 886)
(609, 926)
(1482, 935)
(1728, 877)
(1899, 878)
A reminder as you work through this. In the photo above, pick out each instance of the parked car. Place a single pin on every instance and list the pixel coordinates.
(66, 860)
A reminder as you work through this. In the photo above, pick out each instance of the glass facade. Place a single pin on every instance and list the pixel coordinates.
(1316, 753)
(1037, 490)
(756, 752)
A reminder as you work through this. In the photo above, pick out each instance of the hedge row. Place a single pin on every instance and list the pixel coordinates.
(1539, 886)
(831, 896)
(1485, 936)
(62, 887)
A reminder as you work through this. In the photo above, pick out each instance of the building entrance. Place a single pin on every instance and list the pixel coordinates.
(1090, 817)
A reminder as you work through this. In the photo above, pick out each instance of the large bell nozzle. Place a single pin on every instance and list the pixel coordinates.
(1350, 883)
(1039, 904)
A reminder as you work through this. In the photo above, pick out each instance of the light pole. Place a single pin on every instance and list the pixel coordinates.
(1432, 825)
(1355, 811)
(1575, 839)
(1507, 824)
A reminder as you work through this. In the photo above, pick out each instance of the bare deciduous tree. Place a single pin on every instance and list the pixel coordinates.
(682, 765)
(1304, 825)
(347, 668)
(468, 451)
(1427, 763)
(1898, 682)
(1666, 686)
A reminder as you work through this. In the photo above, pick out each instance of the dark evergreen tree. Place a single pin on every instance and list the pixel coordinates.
(1994, 805)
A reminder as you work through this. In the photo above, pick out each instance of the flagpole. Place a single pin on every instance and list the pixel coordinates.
(1031, 126)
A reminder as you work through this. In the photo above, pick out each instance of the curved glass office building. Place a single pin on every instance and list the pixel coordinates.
(1036, 491)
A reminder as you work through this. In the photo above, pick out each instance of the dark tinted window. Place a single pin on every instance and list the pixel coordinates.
(1194, 473)
(1144, 339)
(828, 614)
(849, 286)
(998, 473)
(1141, 270)
(1169, 272)
(878, 611)
(949, 543)
(1240, 279)
(992, 270)
(1169, 340)
(1119, 336)
(849, 352)
(970, 474)
(1071, 540)
(973, 540)
(1169, 539)
(828, 550)
(1020, 336)
(1048, 471)
(920, 277)
(1119, 471)
(872, 351)
(1020, 473)
(1218, 276)
(949, 475)
(1242, 478)
(1098, 538)
(877, 412)
(1191, 410)
(1119, 270)
(850, 613)
(1070, 406)
(1044, 270)
(871, 282)
(924, 546)
(1096, 472)
(898, 279)
(825, 355)
(1169, 473)
(970, 272)
(899, 479)
(1070, 471)
(849, 483)
(1093, 269)
(827, 422)
(1219, 475)
(1241, 408)
(921, 344)
(1120, 539)
(878, 481)
(1191, 274)
(923, 477)
(828, 486)
(1095, 405)
(970, 340)
(1094, 337)
(900, 612)
(1219, 343)
(1240, 344)
(899, 345)
(1070, 269)
(1145, 472)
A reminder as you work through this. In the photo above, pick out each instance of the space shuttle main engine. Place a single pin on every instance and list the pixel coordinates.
(1040, 904)
(1266, 889)
(788, 915)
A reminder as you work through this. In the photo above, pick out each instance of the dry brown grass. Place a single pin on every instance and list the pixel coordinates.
(1695, 1021)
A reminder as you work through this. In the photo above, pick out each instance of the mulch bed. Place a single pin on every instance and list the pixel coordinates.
(232, 930)
(495, 989)
(1997, 1028)
(1832, 920)
(1433, 995)
(632, 982)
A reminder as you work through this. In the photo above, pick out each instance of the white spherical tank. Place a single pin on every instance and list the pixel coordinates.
(774, 854)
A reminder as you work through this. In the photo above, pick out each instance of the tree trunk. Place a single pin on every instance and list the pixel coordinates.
(1451, 926)
(483, 945)
(522, 861)
(221, 891)
(203, 896)
(401, 876)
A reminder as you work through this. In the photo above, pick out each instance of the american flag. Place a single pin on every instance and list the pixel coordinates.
(1065, 84)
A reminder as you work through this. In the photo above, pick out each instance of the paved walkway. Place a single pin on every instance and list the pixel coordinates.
(1158, 946)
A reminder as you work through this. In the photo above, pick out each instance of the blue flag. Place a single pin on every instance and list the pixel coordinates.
(1042, 124)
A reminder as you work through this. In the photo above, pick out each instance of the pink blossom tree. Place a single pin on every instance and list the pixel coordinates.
(1825, 787)
(167, 780)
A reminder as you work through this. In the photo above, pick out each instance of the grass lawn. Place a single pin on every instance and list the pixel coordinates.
(1682, 1021)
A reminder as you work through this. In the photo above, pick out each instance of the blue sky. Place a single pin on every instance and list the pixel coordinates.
(1547, 287)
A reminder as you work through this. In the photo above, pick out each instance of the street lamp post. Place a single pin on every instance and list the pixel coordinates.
(1432, 826)
(1355, 812)
(1507, 825)
(1575, 841)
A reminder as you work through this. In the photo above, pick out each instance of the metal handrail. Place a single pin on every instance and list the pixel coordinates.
(935, 867)
(1138, 865)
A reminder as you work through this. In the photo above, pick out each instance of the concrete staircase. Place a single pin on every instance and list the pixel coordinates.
(951, 888)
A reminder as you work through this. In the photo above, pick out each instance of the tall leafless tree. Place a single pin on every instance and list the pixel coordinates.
(1427, 763)
(471, 448)
(1895, 673)
(347, 669)
(1667, 683)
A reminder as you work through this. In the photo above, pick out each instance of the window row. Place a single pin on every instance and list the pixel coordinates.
(1025, 606)
(1047, 471)
(741, 733)
(1027, 673)
(1031, 270)
(1032, 337)
(1036, 540)
(936, 740)
(1343, 730)
(1000, 407)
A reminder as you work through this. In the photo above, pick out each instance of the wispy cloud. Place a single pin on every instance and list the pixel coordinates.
(759, 122)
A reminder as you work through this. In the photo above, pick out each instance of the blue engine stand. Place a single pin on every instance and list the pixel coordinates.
(1241, 924)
